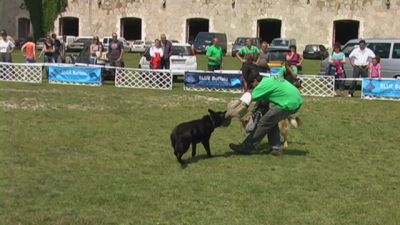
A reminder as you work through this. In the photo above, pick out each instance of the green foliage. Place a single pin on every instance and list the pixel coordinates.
(43, 13)
(36, 15)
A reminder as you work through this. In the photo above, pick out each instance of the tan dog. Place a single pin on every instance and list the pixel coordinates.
(283, 126)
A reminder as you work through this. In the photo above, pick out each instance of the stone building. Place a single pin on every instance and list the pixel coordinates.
(15, 18)
(308, 21)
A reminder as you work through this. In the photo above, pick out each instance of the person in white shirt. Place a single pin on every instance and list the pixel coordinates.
(360, 58)
(6, 48)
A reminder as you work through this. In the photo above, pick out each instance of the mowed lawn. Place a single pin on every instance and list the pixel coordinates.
(102, 155)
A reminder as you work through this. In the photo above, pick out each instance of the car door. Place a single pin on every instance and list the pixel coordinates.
(392, 68)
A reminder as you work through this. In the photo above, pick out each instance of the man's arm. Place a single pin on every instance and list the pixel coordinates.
(239, 57)
(122, 52)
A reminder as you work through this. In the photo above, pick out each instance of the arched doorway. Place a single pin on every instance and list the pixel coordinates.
(24, 25)
(269, 29)
(69, 26)
(131, 28)
(345, 30)
(194, 26)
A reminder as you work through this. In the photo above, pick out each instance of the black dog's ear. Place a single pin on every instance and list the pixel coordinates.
(211, 111)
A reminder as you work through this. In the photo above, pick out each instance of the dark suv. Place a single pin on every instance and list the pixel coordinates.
(204, 39)
(315, 52)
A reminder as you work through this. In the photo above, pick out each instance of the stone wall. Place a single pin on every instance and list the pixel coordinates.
(11, 11)
(309, 21)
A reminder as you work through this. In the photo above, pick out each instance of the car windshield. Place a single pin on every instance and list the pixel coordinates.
(242, 41)
(137, 42)
(311, 48)
(279, 42)
(106, 40)
(83, 40)
(181, 50)
(277, 55)
(41, 40)
(204, 37)
(348, 48)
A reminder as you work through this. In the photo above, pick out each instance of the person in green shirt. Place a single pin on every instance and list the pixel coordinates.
(246, 50)
(214, 54)
(284, 100)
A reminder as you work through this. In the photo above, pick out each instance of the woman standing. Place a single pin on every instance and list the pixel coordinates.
(295, 58)
(96, 48)
(48, 50)
(336, 61)
(156, 54)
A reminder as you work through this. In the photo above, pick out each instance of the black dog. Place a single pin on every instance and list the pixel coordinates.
(194, 132)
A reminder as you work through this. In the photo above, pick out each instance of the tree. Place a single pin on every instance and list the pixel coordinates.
(43, 13)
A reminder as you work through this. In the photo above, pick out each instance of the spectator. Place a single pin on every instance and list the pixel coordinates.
(28, 50)
(57, 48)
(63, 48)
(116, 51)
(375, 68)
(96, 49)
(156, 54)
(167, 48)
(285, 100)
(48, 50)
(214, 55)
(359, 59)
(262, 61)
(6, 48)
(336, 61)
(248, 49)
(295, 58)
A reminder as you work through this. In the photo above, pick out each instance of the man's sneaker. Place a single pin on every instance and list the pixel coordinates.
(276, 152)
(238, 148)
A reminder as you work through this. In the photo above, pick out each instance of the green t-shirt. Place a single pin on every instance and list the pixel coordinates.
(278, 91)
(215, 52)
(252, 50)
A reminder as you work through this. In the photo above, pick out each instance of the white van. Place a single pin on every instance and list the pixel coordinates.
(388, 49)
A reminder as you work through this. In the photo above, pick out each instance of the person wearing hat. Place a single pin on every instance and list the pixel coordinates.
(284, 100)
(6, 47)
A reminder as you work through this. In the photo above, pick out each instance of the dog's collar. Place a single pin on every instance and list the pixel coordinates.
(212, 121)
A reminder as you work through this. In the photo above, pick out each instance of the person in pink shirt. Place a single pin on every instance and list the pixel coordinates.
(375, 68)
(29, 51)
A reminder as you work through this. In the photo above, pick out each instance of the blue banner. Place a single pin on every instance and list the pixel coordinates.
(381, 88)
(213, 80)
(75, 74)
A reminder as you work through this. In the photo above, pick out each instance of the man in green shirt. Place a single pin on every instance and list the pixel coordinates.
(284, 100)
(246, 50)
(214, 54)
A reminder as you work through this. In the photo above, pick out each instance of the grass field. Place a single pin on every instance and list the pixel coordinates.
(87, 155)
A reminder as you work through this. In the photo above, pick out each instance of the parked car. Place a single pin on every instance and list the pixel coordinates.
(240, 42)
(79, 43)
(148, 44)
(387, 49)
(106, 41)
(40, 43)
(69, 41)
(204, 39)
(283, 43)
(315, 51)
(276, 57)
(182, 59)
(138, 46)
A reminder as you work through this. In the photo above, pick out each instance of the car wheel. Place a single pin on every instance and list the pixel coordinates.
(396, 76)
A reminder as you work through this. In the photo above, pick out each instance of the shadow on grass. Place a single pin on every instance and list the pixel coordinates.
(259, 151)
